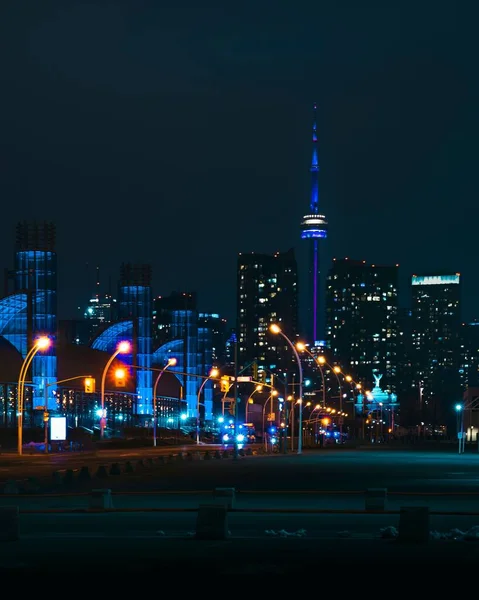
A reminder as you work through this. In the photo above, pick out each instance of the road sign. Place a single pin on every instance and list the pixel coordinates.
(244, 378)
(271, 417)
(38, 408)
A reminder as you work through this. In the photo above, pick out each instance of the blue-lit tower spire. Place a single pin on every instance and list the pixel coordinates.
(314, 227)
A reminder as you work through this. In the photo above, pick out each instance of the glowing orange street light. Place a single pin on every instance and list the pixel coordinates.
(41, 343)
(171, 363)
(122, 348)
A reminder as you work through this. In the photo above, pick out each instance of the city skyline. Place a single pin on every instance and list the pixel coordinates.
(184, 164)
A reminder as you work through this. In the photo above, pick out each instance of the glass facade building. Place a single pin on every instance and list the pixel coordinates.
(362, 319)
(267, 292)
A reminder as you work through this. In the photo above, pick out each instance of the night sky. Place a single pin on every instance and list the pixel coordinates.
(178, 134)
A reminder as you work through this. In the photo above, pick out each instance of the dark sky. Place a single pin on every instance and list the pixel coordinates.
(177, 133)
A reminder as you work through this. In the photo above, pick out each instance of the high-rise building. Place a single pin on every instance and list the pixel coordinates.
(267, 293)
(436, 328)
(183, 333)
(314, 227)
(362, 319)
(469, 370)
(101, 309)
(36, 275)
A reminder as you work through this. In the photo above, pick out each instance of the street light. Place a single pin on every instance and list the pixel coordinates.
(274, 328)
(213, 374)
(41, 343)
(122, 348)
(302, 348)
(171, 363)
(259, 388)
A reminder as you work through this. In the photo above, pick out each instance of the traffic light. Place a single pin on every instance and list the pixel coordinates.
(120, 378)
(261, 376)
(255, 371)
(224, 385)
(89, 385)
(232, 408)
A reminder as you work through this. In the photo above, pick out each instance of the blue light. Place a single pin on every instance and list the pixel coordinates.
(273, 440)
(272, 429)
(221, 419)
(183, 417)
(240, 437)
(458, 407)
(226, 437)
(307, 383)
(231, 421)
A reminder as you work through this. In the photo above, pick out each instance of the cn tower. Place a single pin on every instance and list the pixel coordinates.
(314, 227)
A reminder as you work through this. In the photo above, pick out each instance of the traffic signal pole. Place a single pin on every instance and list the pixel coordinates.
(236, 401)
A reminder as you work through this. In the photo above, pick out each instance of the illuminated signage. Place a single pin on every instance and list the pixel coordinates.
(435, 279)
(58, 428)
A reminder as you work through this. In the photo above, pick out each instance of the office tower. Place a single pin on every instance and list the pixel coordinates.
(36, 275)
(267, 293)
(362, 319)
(101, 308)
(469, 371)
(175, 327)
(135, 305)
(436, 327)
(314, 228)
(211, 339)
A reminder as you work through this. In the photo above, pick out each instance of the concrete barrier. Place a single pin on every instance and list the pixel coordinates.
(197, 455)
(115, 469)
(226, 454)
(84, 474)
(101, 472)
(375, 499)
(241, 452)
(217, 455)
(212, 522)
(179, 457)
(31, 485)
(189, 456)
(413, 524)
(207, 455)
(11, 487)
(128, 468)
(68, 477)
(249, 452)
(101, 499)
(226, 496)
(9, 526)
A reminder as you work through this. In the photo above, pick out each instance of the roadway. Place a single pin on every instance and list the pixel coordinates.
(328, 470)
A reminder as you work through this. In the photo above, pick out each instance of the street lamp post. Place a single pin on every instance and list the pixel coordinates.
(41, 343)
(270, 398)
(213, 374)
(171, 363)
(122, 348)
(259, 388)
(274, 328)
(302, 348)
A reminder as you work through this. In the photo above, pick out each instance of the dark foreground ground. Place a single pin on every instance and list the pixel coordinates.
(292, 513)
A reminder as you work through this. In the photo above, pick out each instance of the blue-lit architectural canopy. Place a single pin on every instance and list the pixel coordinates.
(13, 321)
(314, 226)
(108, 339)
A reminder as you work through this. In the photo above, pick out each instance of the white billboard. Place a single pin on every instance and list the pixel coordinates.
(58, 428)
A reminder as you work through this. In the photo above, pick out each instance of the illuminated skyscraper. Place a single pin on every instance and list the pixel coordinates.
(267, 293)
(36, 275)
(362, 319)
(436, 352)
(314, 227)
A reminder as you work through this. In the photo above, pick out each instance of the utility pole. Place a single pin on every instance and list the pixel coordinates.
(236, 400)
